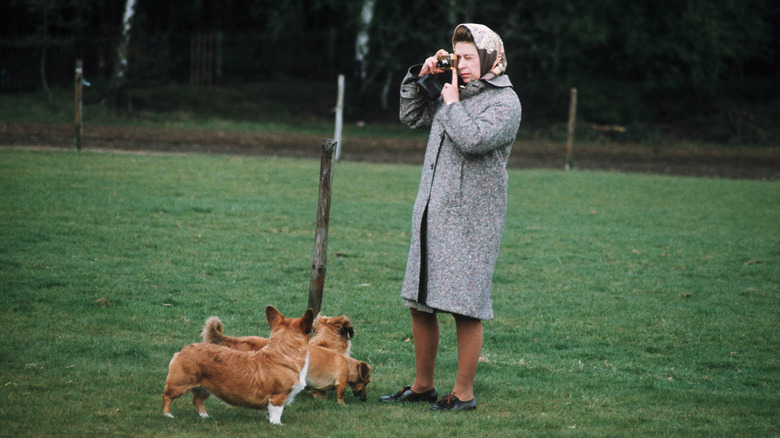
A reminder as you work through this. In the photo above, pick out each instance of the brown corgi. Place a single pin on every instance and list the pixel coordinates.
(328, 369)
(267, 378)
(334, 333)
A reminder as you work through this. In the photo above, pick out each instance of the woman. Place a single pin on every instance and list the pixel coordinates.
(458, 216)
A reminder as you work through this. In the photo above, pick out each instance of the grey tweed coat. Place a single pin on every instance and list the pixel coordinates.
(463, 193)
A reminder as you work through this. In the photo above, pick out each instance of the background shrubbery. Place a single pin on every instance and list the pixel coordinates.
(699, 70)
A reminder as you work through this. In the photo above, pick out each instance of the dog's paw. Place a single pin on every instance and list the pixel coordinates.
(169, 415)
(275, 414)
(204, 415)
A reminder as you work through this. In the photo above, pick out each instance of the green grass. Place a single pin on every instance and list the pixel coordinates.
(626, 305)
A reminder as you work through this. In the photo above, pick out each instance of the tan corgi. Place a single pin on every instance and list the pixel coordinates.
(328, 369)
(267, 378)
(334, 333)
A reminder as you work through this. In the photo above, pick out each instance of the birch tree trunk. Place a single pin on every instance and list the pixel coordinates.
(361, 44)
(44, 82)
(120, 69)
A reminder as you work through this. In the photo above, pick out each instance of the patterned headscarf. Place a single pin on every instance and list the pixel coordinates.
(492, 59)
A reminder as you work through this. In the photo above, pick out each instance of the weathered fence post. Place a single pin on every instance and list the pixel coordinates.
(319, 262)
(78, 82)
(570, 137)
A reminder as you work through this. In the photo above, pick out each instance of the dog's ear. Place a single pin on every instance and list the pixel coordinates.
(273, 316)
(364, 371)
(307, 320)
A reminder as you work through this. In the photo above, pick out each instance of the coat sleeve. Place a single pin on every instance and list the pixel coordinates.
(492, 128)
(416, 111)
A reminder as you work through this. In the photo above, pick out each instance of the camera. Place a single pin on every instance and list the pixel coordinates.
(447, 62)
(431, 84)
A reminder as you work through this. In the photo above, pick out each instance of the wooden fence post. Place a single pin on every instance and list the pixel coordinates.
(570, 137)
(319, 260)
(78, 82)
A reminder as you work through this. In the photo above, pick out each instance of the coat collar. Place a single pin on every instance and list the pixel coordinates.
(474, 87)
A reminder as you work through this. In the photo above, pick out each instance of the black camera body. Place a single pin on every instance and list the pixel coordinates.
(431, 84)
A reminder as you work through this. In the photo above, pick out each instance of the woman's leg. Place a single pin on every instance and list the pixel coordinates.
(425, 329)
(469, 332)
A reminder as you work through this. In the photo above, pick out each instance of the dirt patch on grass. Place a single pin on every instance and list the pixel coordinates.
(709, 161)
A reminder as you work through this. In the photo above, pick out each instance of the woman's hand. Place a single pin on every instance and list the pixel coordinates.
(450, 92)
(429, 66)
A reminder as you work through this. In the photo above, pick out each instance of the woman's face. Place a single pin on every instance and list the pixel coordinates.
(468, 61)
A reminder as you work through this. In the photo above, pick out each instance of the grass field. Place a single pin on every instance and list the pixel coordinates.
(626, 305)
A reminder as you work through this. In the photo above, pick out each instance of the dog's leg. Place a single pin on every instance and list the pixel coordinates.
(176, 386)
(275, 414)
(199, 396)
(341, 388)
(167, 407)
(170, 394)
(316, 393)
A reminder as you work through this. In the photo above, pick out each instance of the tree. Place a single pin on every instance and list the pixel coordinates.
(120, 69)
(50, 13)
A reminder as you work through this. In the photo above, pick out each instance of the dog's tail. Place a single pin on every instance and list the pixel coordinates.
(212, 331)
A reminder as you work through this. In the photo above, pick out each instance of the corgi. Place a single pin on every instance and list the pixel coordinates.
(267, 378)
(334, 333)
(328, 369)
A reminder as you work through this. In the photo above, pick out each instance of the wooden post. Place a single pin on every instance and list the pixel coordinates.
(78, 82)
(570, 137)
(319, 262)
(339, 116)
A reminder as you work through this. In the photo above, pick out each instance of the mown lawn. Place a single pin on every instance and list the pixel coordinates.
(626, 305)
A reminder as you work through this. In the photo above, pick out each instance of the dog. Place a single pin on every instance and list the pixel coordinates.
(329, 368)
(268, 378)
(334, 333)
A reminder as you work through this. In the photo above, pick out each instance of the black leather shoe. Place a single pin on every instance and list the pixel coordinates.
(407, 395)
(451, 403)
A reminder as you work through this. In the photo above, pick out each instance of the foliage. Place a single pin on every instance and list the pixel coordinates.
(674, 45)
(627, 305)
(668, 60)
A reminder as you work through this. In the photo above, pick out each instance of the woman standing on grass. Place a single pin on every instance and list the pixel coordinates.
(458, 217)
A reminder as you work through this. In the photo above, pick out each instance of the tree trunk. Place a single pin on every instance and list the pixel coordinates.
(117, 89)
(44, 81)
(361, 44)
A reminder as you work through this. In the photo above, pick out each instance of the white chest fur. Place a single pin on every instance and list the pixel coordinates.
(301, 383)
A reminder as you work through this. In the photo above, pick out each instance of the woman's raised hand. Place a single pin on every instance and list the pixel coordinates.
(429, 66)
(449, 91)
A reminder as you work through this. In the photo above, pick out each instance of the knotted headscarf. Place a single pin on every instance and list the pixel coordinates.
(490, 47)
